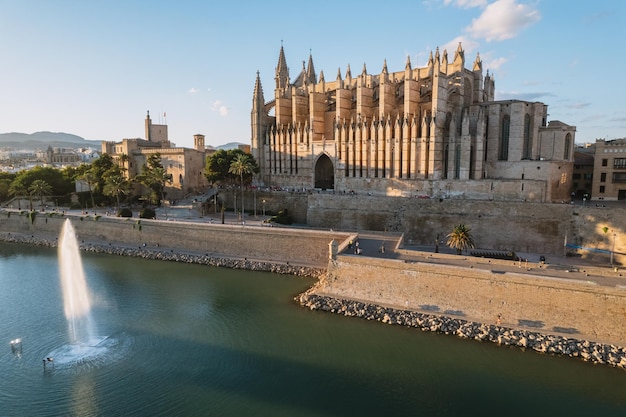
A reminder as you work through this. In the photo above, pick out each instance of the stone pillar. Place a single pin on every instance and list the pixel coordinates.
(332, 250)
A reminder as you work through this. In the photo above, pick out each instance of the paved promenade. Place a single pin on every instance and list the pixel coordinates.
(562, 267)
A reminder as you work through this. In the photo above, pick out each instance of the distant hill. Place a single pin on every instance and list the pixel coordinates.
(229, 146)
(41, 140)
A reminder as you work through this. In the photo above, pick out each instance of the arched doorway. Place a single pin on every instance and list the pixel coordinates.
(324, 173)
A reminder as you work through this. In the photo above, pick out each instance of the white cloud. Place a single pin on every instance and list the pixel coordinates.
(220, 107)
(502, 19)
(495, 64)
(466, 4)
(192, 90)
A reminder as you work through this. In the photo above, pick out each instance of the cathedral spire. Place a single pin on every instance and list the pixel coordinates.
(478, 63)
(282, 71)
(257, 99)
(310, 70)
(408, 63)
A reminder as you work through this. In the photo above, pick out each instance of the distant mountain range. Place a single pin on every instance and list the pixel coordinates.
(41, 141)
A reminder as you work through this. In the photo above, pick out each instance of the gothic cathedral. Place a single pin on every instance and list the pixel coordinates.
(429, 132)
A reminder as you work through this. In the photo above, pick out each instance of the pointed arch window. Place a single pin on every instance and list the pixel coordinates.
(457, 162)
(528, 146)
(504, 139)
(568, 144)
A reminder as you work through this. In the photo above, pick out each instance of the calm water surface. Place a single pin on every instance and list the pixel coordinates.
(189, 340)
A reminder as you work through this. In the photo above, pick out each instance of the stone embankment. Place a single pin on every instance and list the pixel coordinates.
(178, 256)
(599, 353)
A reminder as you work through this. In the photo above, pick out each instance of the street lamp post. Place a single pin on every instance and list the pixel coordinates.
(613, 248)
(264, 208)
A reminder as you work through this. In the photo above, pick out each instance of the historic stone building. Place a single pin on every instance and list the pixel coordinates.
(609, 172)
(186, 165)
(431, 132)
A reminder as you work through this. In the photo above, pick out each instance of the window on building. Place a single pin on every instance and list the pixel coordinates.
(619, 163)
(576, 176)
(568, 145)
(605, 162)
(603, 177)
(602, 189)
(588, 176)
(619, 177)
(504, 139)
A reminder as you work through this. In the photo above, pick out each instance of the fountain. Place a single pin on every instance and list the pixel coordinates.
(76, 299)
(84, 346)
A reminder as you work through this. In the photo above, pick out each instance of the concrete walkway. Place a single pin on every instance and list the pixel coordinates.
(570, 268)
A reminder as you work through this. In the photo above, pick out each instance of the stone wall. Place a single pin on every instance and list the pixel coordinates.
(304, 247)
(542, 304)
(520, 227)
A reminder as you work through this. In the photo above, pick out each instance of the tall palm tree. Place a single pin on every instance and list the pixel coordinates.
(154, 176)
(460, 238)
(40, 188)
(242, 164)
(116, 185)
(124, 159)
(92, 182)
(17, 189)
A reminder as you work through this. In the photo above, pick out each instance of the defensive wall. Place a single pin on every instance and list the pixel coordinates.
(548, 305)
(297, 246)
(588, 231)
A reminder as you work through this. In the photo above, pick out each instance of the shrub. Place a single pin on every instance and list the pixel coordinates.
(147, 213)
(125, 212)
(282, 217)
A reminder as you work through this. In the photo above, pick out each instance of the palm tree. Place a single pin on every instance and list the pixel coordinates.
(92, 182)
(460, 238)
(242, 164)
(116, 185)
(17, 189)
(40, 188)
(124, 159)
(154, 176)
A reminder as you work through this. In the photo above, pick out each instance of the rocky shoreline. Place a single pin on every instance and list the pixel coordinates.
(178, 256)
(594, 352)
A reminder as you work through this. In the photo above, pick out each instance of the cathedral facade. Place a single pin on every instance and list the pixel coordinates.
(430, 132)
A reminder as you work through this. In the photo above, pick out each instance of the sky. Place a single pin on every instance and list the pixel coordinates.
(95, 68)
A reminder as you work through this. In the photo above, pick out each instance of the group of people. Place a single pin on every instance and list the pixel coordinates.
(357, 249)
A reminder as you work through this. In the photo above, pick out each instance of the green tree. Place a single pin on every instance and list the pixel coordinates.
(18, 189)
(154, 176)
(242, 164)
(460, 238)
(116, 185)
(218, 164)
(124, 160)
(92, 182)
(40, 188)
(6, 179)
(53, 176)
